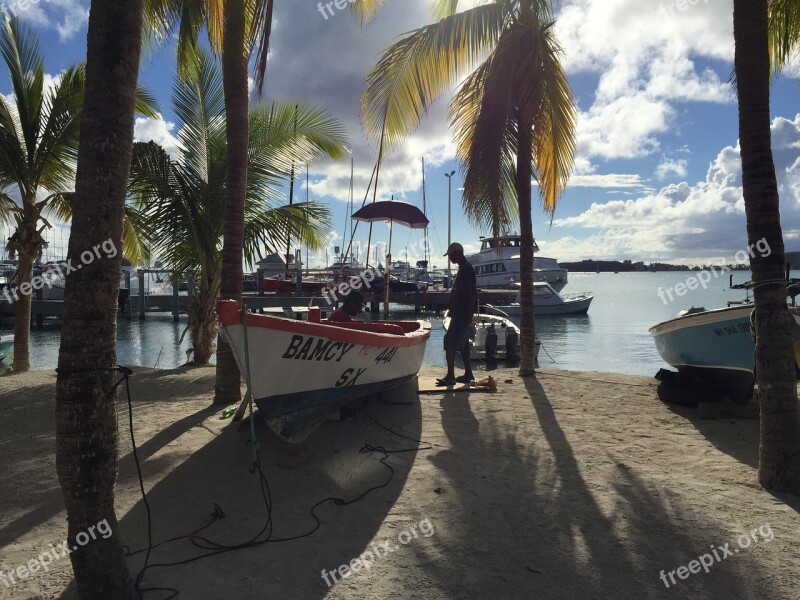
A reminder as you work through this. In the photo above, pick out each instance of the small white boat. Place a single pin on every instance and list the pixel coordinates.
(497, 264)
(6, 346)
(301, 371)
(548, 301)
(493, 337)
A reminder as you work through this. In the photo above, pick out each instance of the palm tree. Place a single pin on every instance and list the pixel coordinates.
(235, 28)
(779, 457)
(38, 148)
(784, 31)
(186, 196)
(514, 116)
(87, 437)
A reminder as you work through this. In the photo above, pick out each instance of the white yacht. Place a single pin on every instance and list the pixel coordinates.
(497, 264)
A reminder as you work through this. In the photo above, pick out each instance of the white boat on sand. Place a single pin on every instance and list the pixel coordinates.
(300, 371)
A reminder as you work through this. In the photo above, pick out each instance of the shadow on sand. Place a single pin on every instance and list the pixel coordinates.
(218, 474)
(530, 526)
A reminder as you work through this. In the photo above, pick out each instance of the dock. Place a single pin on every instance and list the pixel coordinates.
(139, 306)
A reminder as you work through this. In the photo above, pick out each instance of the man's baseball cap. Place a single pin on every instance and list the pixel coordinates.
(454, 248)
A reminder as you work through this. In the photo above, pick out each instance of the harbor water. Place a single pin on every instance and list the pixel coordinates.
(612, 337)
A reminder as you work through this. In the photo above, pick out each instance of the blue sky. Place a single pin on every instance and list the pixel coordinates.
(657, 175)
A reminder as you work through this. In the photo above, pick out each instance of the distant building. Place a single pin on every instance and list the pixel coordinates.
(275, 264)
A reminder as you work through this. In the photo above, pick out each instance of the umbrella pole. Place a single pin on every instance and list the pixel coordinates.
(387, 277)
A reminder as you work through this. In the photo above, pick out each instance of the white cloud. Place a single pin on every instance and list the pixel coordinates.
(607, 180)
(147, 129)
(646, 57)
(67, 17)
(671, 167)
(683, 222)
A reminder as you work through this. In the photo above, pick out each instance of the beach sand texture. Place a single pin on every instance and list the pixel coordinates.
(571, 485)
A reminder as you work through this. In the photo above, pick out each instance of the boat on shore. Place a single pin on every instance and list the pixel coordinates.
(301, 371)
(714, 346)
(497, 264)
(548, 301)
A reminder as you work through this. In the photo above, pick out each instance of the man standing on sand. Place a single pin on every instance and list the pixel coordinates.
(462, 307)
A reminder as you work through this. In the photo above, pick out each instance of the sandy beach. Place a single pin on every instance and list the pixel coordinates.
(571, 485)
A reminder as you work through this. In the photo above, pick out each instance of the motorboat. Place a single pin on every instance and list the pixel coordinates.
(547, 301)
(6, 346)
(493, 336)
(301, 371)
(497, 264)
(715, 346)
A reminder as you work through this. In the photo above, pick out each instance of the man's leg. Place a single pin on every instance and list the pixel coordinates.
(465, 358)
(450, 356)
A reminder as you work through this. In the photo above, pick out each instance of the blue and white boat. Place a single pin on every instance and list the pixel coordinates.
(712, 345)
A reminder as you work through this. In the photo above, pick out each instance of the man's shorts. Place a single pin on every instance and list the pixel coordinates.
(457, 335)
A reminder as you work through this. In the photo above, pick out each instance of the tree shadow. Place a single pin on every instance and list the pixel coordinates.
(331, 466)
(743, 446)
(35, 467)
(530, 525)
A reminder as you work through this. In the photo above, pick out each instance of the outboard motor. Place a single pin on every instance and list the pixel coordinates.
(512, 344)
(491, 342)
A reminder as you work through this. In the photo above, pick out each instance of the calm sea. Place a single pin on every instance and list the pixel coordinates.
(612, 337)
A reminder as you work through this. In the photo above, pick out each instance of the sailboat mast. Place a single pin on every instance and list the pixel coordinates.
(425, 212)
(377, 175)
(291, 198)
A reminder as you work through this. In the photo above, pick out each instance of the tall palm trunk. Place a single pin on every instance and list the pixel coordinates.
(27, 243)
(22, 315)
(524, 190)
(234, 83)
(779, 462)
(87, 438)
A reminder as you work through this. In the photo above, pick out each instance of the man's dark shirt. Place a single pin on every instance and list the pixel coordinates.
(464, 294)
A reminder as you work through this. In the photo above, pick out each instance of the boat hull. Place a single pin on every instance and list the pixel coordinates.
(714, 345)
(6, 346)
(301, 371)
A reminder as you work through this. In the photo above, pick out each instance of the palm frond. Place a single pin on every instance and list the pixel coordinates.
(260, 38)
(784, 31)
(412, 73)
(365, 10)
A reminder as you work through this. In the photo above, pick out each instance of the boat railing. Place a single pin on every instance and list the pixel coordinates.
(576, 295)
(495, 310)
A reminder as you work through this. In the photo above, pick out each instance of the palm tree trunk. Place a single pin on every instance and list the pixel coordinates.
(234, 83)
(87, 437)
(779, 462)
(22, 315)
(524, 189)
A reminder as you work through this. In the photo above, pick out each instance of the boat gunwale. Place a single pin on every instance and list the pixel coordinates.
(689, 317)
(230, 315)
